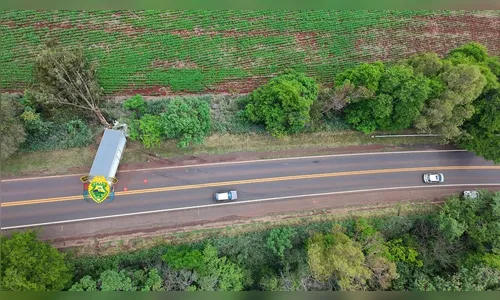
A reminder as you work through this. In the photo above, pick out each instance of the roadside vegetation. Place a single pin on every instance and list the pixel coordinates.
(453, 248)
(456, 96)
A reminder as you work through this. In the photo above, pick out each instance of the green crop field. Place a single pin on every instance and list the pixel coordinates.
(160, 52)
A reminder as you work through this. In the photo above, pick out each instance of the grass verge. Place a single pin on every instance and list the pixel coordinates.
(310, 220)
(74, 160)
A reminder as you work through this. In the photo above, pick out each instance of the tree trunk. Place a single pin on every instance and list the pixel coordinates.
(103, 120)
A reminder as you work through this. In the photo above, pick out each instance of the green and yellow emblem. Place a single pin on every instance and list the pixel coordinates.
(99, 189)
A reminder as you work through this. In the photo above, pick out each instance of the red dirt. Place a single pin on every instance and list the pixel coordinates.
(439, 34)
(238, 86)
(307, 40)
(174, 65)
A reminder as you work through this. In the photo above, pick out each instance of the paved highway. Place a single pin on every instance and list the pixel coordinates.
(58, 199)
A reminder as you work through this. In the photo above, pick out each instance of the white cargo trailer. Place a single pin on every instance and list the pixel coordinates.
(106, 162)
(108, 155)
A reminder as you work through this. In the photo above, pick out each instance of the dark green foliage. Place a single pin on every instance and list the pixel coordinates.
(367, 115)
(429, 64)
(475, 222)
(477, 278)
(283, 104)
(408, 92)
(151, 130)
(482, 131)
(110, 280)
(187, 120)
(12, 132)
(156, 107)
(400, 96)
(178, 258)
(28, 264)
(367, 75)
(473, 51)
(48, 135)
(387, 253)
(135, 104)
(279, 240)
(398, 252)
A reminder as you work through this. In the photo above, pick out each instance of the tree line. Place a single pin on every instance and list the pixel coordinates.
(454, 248)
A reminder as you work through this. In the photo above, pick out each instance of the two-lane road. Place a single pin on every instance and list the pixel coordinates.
(58, 199)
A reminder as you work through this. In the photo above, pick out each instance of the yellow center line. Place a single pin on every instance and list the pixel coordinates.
(258, 180)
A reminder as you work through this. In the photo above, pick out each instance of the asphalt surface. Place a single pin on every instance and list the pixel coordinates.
(36, 201)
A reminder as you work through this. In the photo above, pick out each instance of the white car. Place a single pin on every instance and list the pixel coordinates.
(433, 178)
(470, 194)
(226, 196)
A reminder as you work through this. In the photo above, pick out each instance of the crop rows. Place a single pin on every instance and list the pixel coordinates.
(197, 51)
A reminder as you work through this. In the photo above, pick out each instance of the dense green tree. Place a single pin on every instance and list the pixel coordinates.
(482, 131)
(429, 64)
(85, 284)
(382, 269)
(366, 115)
(12, 132)
(219, 274)
(408, 92)
(476, 54)
(400, 96)
(28, 264)
(367, 75)
(187, 120)
(183, 258)
(213, 273)
(147, 281)
(115, 281)
(474, 221)
(109, 280)
(135, 104)
(283, 104)
(279, 240)
(398, 252)
(445, 114)
(151, 130)
(335, 255)
(477, 278)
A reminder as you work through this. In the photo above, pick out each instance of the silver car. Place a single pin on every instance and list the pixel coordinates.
(433, 177)
(226, 196)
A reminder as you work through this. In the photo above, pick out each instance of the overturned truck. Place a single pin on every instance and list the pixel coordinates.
(99, 184)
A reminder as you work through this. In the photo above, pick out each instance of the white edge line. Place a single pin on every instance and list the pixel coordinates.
(244, 162)
(242, 202)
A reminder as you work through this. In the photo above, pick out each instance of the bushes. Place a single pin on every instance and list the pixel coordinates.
(187, 120)
(12, 133)
(31, 265)
(135, 104)
(283, 104)
(46, 135)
